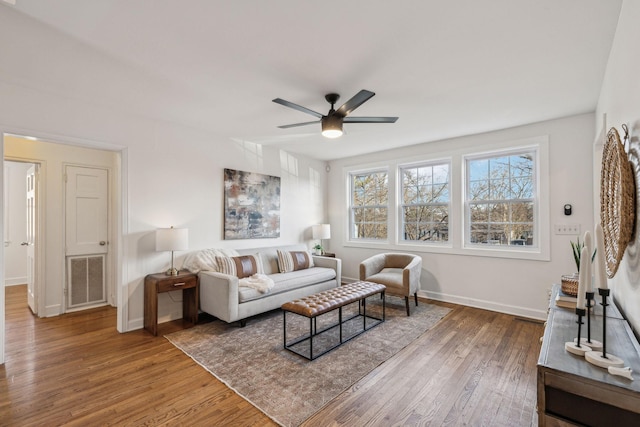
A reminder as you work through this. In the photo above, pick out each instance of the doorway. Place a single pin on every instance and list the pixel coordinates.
(77, 191)
(20, 226)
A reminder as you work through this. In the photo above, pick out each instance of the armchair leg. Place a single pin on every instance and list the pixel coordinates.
(415, 296)
(406, 302)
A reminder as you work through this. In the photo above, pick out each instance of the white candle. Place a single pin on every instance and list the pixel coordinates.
(582, 279)
(588, 243)
(601, 266)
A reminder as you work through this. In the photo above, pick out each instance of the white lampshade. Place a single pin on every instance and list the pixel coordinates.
(172, 239)
(321, 231)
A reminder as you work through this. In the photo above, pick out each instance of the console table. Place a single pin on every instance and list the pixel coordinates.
(572, 391)
(160, 282)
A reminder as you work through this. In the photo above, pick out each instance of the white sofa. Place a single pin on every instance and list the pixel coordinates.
(221, 296)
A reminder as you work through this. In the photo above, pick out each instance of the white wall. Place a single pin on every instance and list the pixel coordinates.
(183, 187)
(620, 101)
(57, 89)
(15, 255)
(509, 285)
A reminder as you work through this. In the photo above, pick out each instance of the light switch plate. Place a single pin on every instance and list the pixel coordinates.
(571, 229)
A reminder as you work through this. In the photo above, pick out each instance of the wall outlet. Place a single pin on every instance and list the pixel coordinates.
(572, 229)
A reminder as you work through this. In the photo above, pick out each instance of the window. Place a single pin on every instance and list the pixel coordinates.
(425, 203)
(500, 199)
(369, 205)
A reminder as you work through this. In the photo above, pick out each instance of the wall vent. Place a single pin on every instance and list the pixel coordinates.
(85, 275)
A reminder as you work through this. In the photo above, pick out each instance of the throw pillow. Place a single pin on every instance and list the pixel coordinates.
(294, 260)
(239, 266)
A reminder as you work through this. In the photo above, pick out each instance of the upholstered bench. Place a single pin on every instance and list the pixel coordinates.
(324, 302)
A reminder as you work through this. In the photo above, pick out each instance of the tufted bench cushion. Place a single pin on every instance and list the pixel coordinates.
(323, 302)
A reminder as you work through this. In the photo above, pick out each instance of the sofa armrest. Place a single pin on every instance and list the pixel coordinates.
(219, 295)
(335, 263)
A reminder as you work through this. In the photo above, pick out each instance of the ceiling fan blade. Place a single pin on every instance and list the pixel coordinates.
(297, 107)
(298, 124)
(370, 119)
(357, 100)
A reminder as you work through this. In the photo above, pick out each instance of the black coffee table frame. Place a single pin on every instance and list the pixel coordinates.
(313, 330)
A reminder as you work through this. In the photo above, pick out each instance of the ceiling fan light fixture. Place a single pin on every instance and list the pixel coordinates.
(331, 127)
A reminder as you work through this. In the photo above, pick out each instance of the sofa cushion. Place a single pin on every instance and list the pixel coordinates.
(294, 260)
(391, 277)
(292, 280)
(240, 266)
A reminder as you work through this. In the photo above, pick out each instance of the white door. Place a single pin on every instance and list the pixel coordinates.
(87, 233)
(32, 227)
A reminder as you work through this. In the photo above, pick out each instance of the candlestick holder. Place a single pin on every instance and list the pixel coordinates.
(601, 358)
(590, 303)
(576, 346)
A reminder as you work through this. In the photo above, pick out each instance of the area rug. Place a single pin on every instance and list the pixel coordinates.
(286, 387)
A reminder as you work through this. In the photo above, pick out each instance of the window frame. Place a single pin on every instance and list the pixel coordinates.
(456, 157)
(400, 205)
(351, 237)
(538, 203)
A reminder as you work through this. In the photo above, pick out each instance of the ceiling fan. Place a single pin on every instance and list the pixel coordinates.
(332, 122)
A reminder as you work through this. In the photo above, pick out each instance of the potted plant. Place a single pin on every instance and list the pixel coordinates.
(319, 250)
(570, 281)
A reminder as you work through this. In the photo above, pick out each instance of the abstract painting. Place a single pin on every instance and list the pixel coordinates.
(251, 205)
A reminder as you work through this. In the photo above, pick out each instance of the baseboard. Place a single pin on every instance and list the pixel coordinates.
(485, 305)
(472, 302)
(12, 281)
(52, 310)
(169, 317)
(138, 323)
(134, 324)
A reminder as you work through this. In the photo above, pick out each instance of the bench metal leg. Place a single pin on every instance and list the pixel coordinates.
(284, 332)
(384, 299)
(313, 331)
(364, 313)
(340, 322)
(311, 338)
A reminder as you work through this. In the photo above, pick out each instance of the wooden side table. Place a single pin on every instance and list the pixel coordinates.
(328, 254)
(160, 282)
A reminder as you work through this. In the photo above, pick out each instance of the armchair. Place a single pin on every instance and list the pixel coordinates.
(399, 272)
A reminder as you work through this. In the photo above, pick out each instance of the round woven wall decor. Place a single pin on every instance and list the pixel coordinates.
(617, 201)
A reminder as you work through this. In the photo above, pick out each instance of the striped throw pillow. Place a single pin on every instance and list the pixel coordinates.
(239, 266)
(294, 260)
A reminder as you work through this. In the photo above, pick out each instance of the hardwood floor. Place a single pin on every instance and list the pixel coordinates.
(474, 368)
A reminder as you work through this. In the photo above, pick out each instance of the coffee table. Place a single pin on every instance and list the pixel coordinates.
(327, 301)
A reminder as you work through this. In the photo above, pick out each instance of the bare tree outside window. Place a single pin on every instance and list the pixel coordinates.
(425, 203)
(369, 205)
(500, 200)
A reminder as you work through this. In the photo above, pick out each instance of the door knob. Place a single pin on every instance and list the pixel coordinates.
(102, 243)
(24, 244)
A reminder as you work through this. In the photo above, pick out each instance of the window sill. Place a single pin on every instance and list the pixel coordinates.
(533, 254)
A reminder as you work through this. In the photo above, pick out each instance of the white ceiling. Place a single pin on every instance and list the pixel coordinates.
(446, 68)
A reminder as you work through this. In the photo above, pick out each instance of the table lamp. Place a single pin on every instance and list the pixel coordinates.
(172, 239)
(321, 231)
